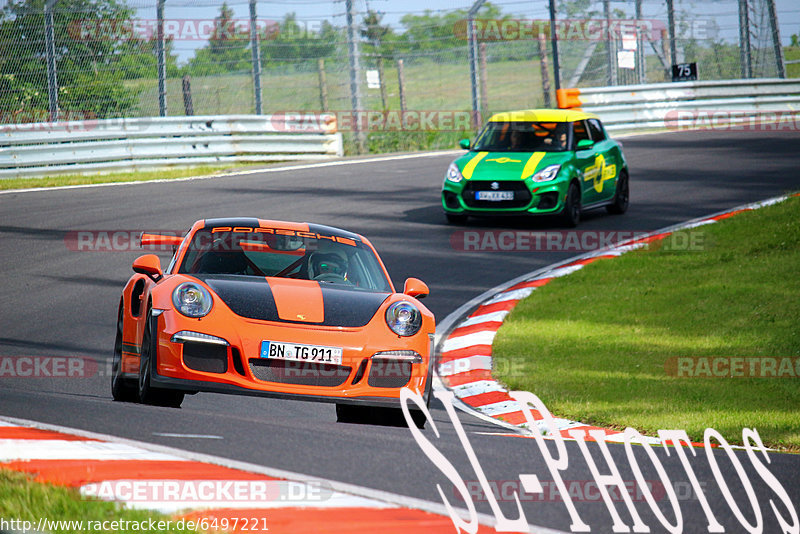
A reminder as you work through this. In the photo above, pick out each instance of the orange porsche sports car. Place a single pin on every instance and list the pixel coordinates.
(256, 307)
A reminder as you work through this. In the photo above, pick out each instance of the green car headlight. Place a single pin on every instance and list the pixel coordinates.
(547, 174)
(453, 174)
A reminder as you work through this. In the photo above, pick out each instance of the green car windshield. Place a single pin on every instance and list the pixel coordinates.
(522, 136)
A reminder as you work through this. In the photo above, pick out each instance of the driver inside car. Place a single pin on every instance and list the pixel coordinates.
(328, 266)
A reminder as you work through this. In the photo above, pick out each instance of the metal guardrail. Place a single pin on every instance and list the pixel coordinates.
(37, 149)
(684, 104)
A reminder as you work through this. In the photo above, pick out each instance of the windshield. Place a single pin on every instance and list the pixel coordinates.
(284, 253)
(522, 136)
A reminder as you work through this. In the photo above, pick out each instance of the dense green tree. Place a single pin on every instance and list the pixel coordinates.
(228, 49)
(88, 50)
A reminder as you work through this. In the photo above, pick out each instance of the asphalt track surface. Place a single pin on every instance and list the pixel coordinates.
(58, 302)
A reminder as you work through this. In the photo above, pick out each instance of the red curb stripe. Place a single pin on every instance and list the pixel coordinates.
(505, 305)
(730, 214)
(517, 418)
(21, 432)
(489, 397)
(79, 472)
(531, 283)
(459, 379)
(488, 326)
(332, 520)
(466, 352)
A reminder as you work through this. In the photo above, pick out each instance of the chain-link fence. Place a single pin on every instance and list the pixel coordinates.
(63, 59)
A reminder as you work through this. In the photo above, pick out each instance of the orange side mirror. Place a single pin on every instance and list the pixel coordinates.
(414, 287)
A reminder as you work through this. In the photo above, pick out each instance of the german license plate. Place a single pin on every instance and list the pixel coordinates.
(301, 353)
(494, 196)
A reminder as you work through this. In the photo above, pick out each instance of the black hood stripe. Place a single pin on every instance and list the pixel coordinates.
(251, 297)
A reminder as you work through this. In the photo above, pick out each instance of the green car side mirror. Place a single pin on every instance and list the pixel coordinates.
(464, 143)
(585, 143)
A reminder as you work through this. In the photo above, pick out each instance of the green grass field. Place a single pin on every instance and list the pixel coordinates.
(22, 499)
(596, 345)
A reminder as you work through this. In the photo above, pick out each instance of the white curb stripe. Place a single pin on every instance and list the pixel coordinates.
(561, 271)
(490, 317)
(476, 338)
(515, 294)
(463, 365)
(57, 449)
(499, 408)
(477, 388)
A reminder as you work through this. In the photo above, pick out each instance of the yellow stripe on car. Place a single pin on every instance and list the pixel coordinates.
(469, 168)
(530, 165)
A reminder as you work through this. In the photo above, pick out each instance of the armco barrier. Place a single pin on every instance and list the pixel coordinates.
(35, 149)
(683, 104)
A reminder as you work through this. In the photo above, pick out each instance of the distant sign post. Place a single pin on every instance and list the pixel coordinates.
(684, 72)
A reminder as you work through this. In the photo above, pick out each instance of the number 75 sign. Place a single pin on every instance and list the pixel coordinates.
(684, 72)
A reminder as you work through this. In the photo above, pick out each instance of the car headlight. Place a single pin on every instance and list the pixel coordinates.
(547, 174)
(192, 300)
(403, 318)
(453, 174)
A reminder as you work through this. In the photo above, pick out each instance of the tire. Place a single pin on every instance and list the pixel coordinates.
(147, 393)
(571, 214)
(377, 415)
(456, 218)
(122, 389)
(621, 196)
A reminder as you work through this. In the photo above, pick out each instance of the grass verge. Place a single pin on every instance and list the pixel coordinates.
(133, 176)
(600, 345)
(22, 499)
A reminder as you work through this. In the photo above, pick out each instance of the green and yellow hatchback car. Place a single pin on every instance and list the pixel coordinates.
(537, 162)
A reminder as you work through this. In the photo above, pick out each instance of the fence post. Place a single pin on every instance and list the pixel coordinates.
(544, 70)
(323, 84)
(355, 76)
(640, 64)
(256, 57)
(484, 80)
(673, 52)
(382, 80)
(554, 45)
(776, 39)
(610, 48)
(401, 82)
(162, 61)
(186, 84)
(744, 40)
(52, 78)
(473, 61)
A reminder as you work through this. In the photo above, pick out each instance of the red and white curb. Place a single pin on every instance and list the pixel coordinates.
(464, 349)
(198, 487)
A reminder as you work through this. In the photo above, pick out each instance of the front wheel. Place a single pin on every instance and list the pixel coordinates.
(571, 214)
(122, 389)
(147, 393)
(621, 196)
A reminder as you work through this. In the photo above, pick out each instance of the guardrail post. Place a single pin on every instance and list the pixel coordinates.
(52, 81)
(162, 60)
(255, 56)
